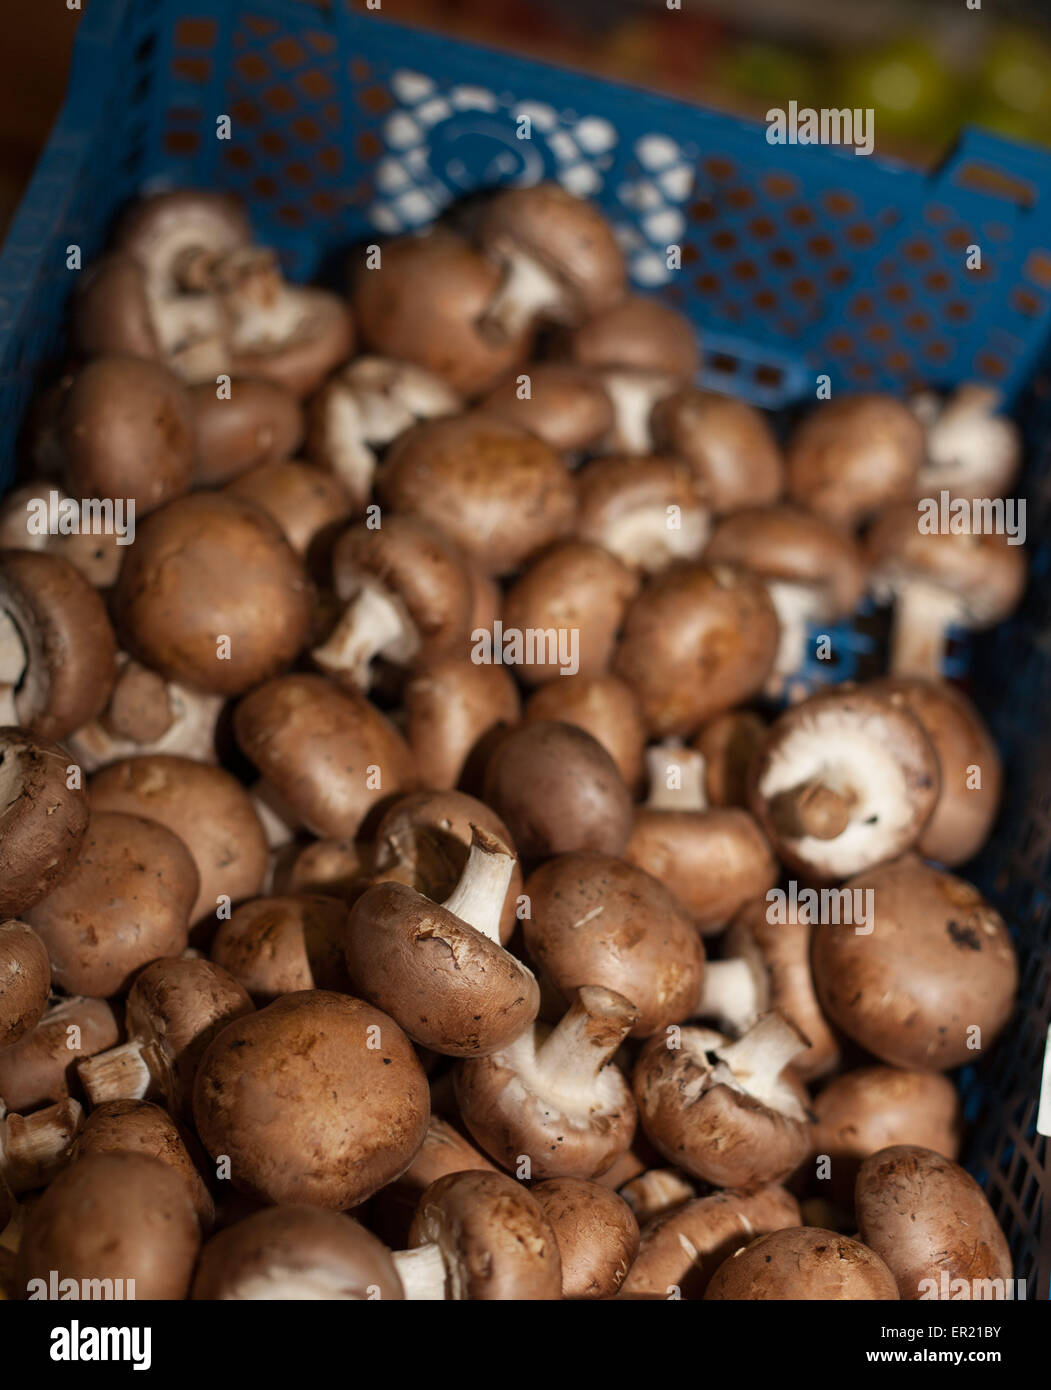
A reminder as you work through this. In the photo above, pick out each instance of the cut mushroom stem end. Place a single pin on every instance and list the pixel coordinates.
(122, 1073)
(34, 1148)
(586, 1037)
(373, 624)
(730, 994)
(812, 809)
(676, 778)
(423, 1273)
(479, 896)
(759, 1057)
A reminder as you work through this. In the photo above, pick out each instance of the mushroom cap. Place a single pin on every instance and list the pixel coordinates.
(175, 1008)
(728, 743)
(279, 945)
(983, 571)
(698, 640)
(596, 1233)
(331, 868)
(315, 745)
(637, 333)
(39, 1067)
(567, 406)
(114, 1216)
(447, 984)
(730, 448)
(296, 1252)
(126, 430)
(317, 1098)
(111, 311)
(321, 337)
(420, 568)
(787, 545)
(126, 901)
(451, 708)
(603, 706)
(573, 586)
(566, 235)
(426, 837)
(597, 920)
(42, 819)
(25, 980)
(138, 1126)
(929, 1220)
(97, 555)
(713, 861)
(681, 1249)
(424, 305)
(259, 422)
(964, 814)
(936, 963)
(559, 791)
(862, 1111)
(853, 456)
(727, 1135)
(306, 502)
(69, 646)
(498, 491)
(207, 567)
(206, 807)
(802, 1264)
(628, 505)
(496, 1241)
(859, 744)
(779, 954)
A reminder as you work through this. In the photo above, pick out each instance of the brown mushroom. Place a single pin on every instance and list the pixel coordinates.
(730, 448)
(603, 706)
(329, 754)
(408, 600)
(645, 511)
(931, 981)
(43, 818)
(559, 791)
(572, 598)
(296, 1253)
(940, 579)
(126, 901)
(500, 493)
(251, 423)
(596, 1233)
(698, 640)
(349, 1112)
(206, 807)
(57, 649)
(38, 1069)
(872, 1108)
(682, 1248)
(146, 714)
(41, 517)
(137, 1126)
(452, 708)
(307, 503)
(596, 919)
(812, 569)
(932, 1224)
(439, 970)
(845, 780)
(333, 868)
(276, 946)
(565, 406)
(553, 1098)
(35, 1148)
(483, 1237)
(124, 1219)
(973, 450)
(747, 1122)
(423, 302)
(802, 1264)
(174, 1009)
(25, 980)
(714, 861)
(655, 1191)
(729, 743)
(853, 456)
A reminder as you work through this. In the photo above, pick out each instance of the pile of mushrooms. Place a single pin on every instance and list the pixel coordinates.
(423, 873)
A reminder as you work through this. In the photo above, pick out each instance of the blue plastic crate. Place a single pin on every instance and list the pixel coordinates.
(795, 261)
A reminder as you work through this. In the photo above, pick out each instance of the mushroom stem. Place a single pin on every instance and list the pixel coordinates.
(758, 1059)
(122, 1073)
(633, 396)
(676, 778)
(526, 290)
(656, 1191)
(352, 459)
(422, 1272)
(373, 622)
(922, 613)
(812, 809)
(478, 898)
(797, 607)
(33, 1148)
(730, 994)
(586, 1037)
(12, 667)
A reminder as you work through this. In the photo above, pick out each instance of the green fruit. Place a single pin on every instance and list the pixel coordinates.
(906, 86)
(1016, 74)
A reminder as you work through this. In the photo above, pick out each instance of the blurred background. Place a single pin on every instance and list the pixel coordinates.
(925, 66)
